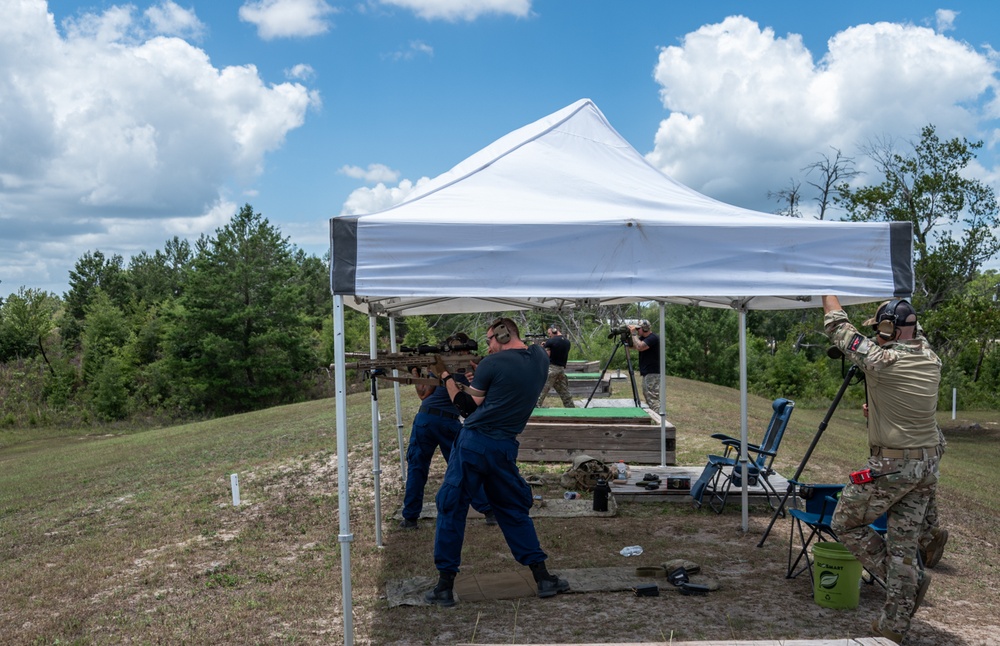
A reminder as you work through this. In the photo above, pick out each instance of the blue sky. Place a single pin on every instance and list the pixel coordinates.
(123, 125)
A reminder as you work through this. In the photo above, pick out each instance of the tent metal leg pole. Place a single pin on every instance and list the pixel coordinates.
(376, 462)
(631, 378)
(743, 418)
(805, 459)
(345, 537)
(399, 404)
(663, 387)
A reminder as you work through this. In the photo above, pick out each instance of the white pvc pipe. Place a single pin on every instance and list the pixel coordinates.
(234, 483)
(954, 402)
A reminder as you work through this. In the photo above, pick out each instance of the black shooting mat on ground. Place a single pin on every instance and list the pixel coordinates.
(519, 583)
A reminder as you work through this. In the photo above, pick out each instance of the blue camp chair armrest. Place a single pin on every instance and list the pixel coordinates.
(734, 443)
(722, 436)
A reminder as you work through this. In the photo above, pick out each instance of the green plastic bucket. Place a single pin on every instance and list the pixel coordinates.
(836, 576)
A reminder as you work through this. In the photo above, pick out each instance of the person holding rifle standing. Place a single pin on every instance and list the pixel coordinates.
(435, 426)
(496, 407)
(902, 375)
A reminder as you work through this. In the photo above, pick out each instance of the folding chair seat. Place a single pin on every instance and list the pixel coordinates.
(723, 471)
(820, 501)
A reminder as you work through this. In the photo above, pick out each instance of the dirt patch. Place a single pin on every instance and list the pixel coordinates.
(755, 600)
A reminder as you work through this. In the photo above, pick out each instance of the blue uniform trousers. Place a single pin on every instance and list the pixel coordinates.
(430, 432)
(481, 462)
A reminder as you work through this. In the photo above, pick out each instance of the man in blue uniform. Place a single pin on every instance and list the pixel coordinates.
(435, 426)
(496, 407)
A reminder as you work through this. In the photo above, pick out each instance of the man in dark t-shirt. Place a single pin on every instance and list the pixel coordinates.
(648, 346)
(496, 407)
(557, 346)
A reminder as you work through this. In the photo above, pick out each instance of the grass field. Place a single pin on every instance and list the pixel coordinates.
(133, 538)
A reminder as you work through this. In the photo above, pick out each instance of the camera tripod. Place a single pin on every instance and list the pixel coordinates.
(631, 375)
(792, 483)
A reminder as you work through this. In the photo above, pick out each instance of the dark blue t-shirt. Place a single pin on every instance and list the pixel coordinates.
(558, 347)
(512, 381)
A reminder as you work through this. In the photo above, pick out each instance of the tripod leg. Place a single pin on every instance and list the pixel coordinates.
(601, 378)
(631, 376)
(802, 465)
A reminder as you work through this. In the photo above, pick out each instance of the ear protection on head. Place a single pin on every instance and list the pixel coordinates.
(500, 331)
(886, 325)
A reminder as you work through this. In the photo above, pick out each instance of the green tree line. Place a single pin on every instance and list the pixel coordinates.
(241, 320)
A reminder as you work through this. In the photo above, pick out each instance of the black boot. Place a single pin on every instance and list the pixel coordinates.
(549, 585)
(442, 594)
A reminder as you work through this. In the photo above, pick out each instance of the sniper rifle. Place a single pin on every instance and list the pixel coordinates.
(384, 363)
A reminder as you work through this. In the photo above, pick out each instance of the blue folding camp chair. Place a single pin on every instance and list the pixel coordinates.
(723, 471)
(820, 501)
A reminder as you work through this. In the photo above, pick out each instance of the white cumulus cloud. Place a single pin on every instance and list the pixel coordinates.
(287, 18)
(750, 109)
(118, 143)
(379, 197)
(468, 10)
(170, 19)
(374, 173)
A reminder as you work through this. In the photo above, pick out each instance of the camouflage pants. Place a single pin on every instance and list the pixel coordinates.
(558, 380)
(903, 497)
(651, 390)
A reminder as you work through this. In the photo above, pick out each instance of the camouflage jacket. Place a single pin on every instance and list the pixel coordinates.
(902, 380)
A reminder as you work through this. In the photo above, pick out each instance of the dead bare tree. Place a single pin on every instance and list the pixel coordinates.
(832, 173)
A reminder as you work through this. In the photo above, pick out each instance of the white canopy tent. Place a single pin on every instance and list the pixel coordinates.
(564, 211)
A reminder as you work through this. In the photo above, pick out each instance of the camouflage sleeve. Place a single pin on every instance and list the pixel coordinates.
(858, 348)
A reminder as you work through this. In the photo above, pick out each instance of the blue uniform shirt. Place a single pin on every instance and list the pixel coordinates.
(512, 381)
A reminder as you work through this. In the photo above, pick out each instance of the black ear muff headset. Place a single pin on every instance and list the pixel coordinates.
(886, 324)
(500, 332)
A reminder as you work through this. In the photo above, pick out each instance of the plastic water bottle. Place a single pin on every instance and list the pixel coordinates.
(571, 495)
(621, 470)
(631, 550)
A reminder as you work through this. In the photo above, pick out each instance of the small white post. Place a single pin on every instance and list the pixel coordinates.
(234, 480)
(954, 401)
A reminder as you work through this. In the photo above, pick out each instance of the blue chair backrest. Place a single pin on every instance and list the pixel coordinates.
(818, 500)
(776, 429)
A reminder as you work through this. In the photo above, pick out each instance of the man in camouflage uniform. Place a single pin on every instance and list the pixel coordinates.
(902, 375)
(557, 346)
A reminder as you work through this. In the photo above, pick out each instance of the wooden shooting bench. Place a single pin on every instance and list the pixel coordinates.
(606, 433)
(581, 384)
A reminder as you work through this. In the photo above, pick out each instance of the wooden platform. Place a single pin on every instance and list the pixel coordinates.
(629, 491)
(581, 384)
(606, 433)
(583, 366)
